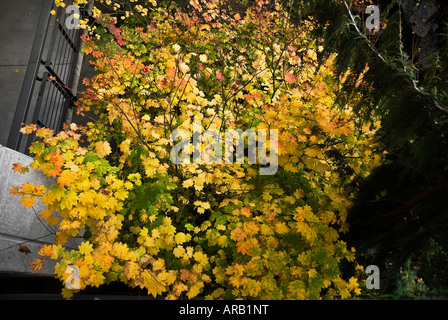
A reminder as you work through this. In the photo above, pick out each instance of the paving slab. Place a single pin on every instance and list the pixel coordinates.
(20, 226)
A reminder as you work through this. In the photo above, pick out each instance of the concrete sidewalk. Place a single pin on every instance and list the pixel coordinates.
(18, 22)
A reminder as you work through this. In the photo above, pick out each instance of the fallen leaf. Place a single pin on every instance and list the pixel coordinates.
(36, 265)
(24, 249)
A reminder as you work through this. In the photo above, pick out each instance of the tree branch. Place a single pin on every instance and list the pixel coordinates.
(407, 78)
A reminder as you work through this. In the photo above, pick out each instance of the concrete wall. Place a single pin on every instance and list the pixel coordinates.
(19, 226)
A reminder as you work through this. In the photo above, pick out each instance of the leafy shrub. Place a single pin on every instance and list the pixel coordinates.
(216, 230)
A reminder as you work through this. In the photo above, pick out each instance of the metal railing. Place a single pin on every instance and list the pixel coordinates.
(45, 97)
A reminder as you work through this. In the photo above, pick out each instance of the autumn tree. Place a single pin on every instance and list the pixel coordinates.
(213, 229)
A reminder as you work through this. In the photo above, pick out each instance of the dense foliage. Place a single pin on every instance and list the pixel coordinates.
(217, 230)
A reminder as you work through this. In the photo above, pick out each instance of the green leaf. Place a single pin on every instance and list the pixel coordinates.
(37, 147)
(69, 200)
(102, 166)
(91, 157)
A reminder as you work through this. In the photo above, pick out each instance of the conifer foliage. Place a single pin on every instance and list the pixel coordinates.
(399, 74)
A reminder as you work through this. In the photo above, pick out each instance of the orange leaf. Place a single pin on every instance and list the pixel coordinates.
(244, 246)
(17, 167)
(66, 178)
(102, 148)
(36, 265)
(87, 49)
(46, 250)
(97, 54)
(239, 234)
(54, 172)
(53, 220)
(252, 227)
(28, 129)
(245, 211)
(14, 191)
(257, 95)
(27, 201)
(290, 78)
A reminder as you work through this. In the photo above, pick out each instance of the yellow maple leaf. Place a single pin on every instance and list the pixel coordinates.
(159, 264)
(193, 292)
(313, 152)
(85, 248)
(180, 238)
(223, 241)
(102, 148)
(312, 273)
(121, 194)
(201, 258)
(96, 279)
(69, 200)
(66, 178)
(153, 286)
(281, 227)
(187, 183)
(53, 220)
(66, 293)
(132, 270)
(179, 251)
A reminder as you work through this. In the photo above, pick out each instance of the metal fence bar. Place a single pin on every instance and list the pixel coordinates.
(38, 107)
(54, 98)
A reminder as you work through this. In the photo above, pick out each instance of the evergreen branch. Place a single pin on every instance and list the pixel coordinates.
(417, 200)
(411, 83)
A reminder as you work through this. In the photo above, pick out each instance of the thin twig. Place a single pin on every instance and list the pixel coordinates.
(407, 78)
